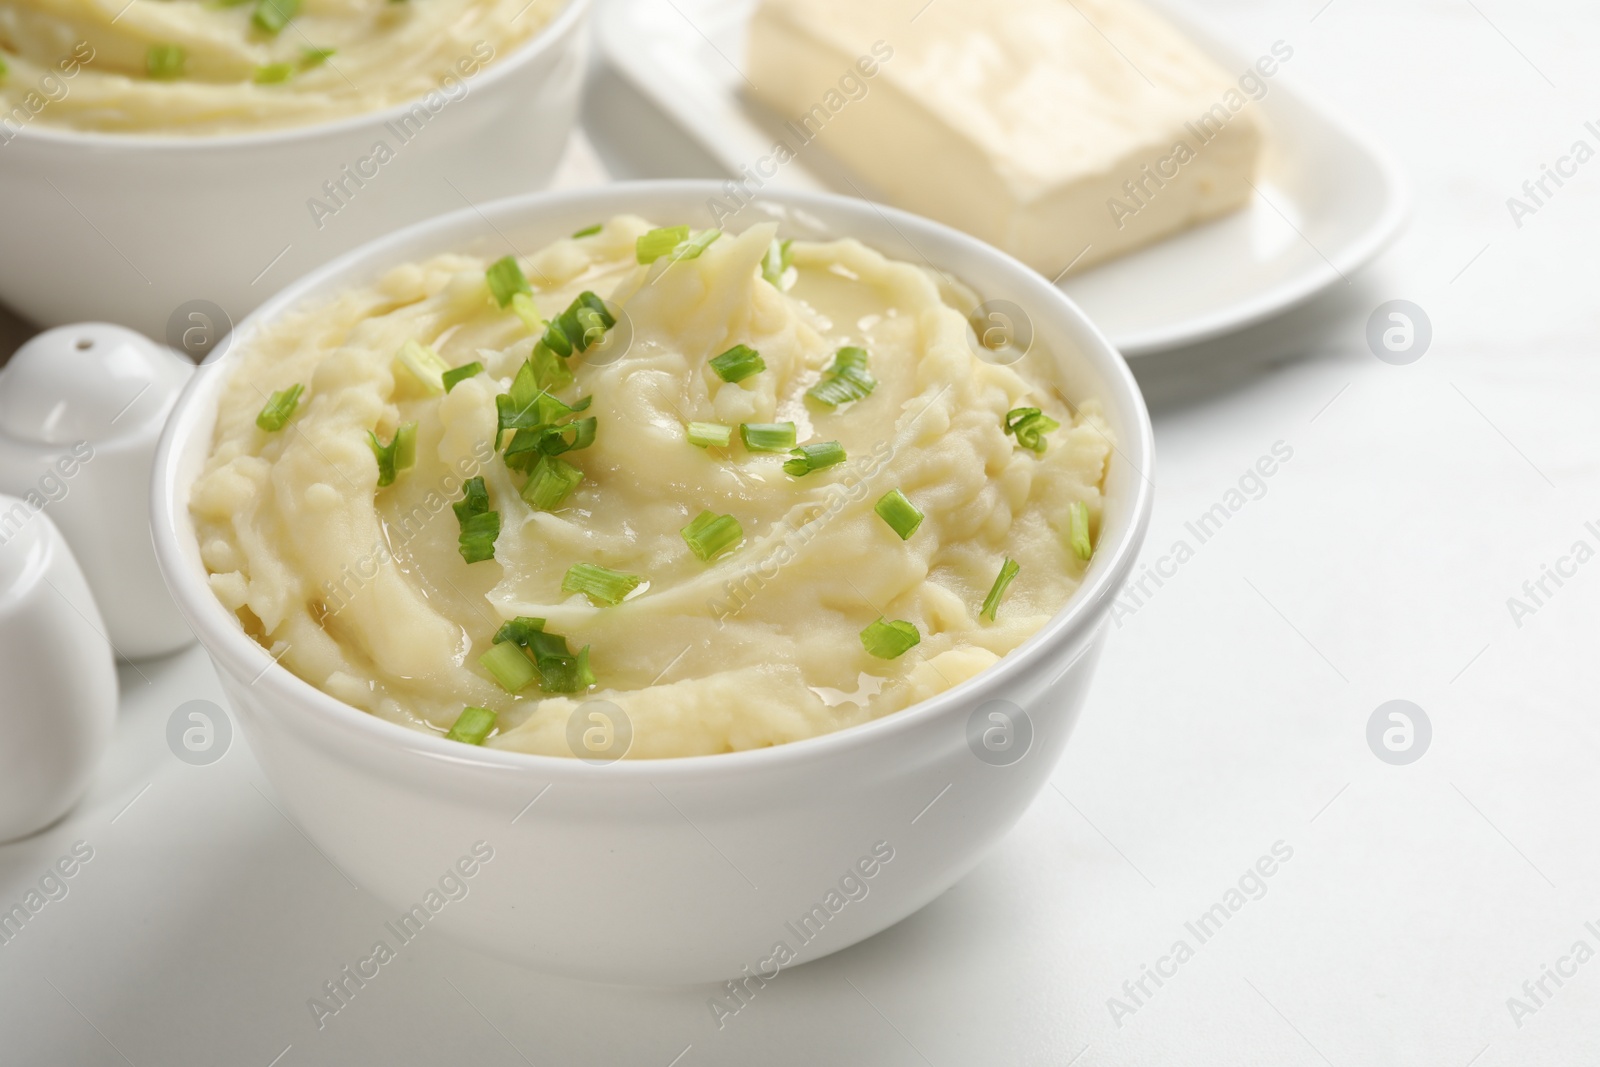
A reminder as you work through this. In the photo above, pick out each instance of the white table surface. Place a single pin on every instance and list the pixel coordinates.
(1230, 712)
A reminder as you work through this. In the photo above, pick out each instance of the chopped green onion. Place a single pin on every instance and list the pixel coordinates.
(519, 629)
(471, 726)
(479, 525)
(767, 436)
(776, 262)
(657, 243)
(1078, 530)
(397, 455)
(506, 280)
(692, 248)
(551, 482)
(559, 670)
(456, 375)
(270, 16)
(165, 61)
(1030, 425)
(425, 365)
(4, 70)
(274, 73)
(280, 408)
(997, 591)
(814, 457)
(510, 666)
(890, 640)
(738, 363)
(845, 380)
(581, 326)
(315, 57)
(522, 304)
(588, 231)
(566, 673)
(709, 434)
(603, 586)
(710, 535)
(901, 514)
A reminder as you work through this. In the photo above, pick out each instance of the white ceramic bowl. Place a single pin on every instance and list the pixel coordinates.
(151, 231)
(688, 869)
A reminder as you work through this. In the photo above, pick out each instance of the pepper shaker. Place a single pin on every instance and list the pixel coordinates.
(81, 410)
(59, 700)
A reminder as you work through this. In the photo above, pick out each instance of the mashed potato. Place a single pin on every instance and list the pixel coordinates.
(209, 67)
(364, 590)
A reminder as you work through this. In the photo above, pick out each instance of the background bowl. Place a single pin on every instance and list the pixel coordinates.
(178, 237)
(689, 869)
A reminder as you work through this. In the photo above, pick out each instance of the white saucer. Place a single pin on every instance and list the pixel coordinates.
(1328, 199)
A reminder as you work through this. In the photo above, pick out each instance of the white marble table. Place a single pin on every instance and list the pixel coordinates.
(1230, 716)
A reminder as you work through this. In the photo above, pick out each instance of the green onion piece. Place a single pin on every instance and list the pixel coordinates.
(738, 363)
(425, 365)
(776, 262)
(315, 57)
(814, 457)
(550, 372)
(506, 280)
(709, 434)
(559, 670)
(397, 455)
(657, 243)
(1030, 425)
(845, 380)
(471, 726)
(522, 304)
(890, 640)
(581, 326)
(274, 73)
(280, 408)
(456, 375)
(767, 436)
(710, 535)
(270, 16)
(479, 525)
(165, 61)
(566, 674)
(692, 248)
(510, 666)
(4, 70)
(551, 482)
(901, 514)
(997, 591)
(1078, 530)
(603, 586)
(588, 231)
(519, 630)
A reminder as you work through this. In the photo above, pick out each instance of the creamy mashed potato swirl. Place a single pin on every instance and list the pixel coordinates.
(87, 64)
(362, 589)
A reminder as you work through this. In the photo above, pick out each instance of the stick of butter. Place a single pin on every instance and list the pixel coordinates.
(1063, 131)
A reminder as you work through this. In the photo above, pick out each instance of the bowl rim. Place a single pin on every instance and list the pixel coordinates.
(236, 653)
(534, 47)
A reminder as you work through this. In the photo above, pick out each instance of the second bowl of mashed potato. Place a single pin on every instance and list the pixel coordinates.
(170, 163)
(750, 532)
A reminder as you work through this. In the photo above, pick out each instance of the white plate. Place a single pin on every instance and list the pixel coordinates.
(1329, 200)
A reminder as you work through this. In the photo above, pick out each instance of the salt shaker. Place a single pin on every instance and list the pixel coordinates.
(59, 699)
(81, 409)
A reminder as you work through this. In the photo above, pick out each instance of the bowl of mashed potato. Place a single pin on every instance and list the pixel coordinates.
(716, 582)
(171, 163)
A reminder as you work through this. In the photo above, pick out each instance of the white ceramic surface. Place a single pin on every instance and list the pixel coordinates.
(1329, 199)
(59, 697)
(147, 231)
(81, 410)
(667, 870)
